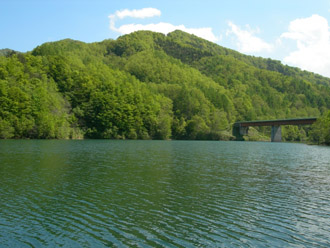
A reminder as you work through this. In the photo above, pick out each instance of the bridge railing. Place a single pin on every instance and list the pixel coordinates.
(300, 121)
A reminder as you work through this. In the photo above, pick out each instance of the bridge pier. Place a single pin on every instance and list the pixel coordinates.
(239, 131)
(276, 134)
(244, 131)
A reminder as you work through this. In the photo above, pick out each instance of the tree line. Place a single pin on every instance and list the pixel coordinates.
(146, 85)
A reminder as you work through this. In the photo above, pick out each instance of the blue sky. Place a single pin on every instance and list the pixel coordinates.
(293, 31)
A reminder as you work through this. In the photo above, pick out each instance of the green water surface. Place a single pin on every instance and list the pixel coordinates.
(101, 193)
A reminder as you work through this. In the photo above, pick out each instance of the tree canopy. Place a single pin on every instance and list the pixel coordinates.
(146, 85)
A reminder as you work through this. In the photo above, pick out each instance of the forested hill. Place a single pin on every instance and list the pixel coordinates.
(146, 85)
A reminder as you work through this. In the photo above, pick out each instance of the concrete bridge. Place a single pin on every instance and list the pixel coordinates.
(242, 128)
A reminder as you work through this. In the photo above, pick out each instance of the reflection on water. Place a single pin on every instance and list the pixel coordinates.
(163, 193)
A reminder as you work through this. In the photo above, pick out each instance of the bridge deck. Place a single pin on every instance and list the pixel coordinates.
(301, 121)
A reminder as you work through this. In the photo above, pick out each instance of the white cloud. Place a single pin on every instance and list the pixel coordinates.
(162, 27)
(246, 40)
(312, 39)
(138, 13)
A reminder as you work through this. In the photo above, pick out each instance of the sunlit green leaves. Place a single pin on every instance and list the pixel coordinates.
(147, 85)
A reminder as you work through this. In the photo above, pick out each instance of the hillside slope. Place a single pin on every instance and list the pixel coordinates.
(149, 86)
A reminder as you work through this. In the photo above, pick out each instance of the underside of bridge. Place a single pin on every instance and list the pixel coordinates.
(241, 129)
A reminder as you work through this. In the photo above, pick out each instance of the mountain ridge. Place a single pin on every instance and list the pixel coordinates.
(150, 85)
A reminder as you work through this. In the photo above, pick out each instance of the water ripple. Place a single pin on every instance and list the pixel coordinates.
(163, 194)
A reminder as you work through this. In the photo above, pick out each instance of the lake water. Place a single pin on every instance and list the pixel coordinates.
(100, 193)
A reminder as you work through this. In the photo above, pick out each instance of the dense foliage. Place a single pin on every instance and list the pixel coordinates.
(320, 133)
(147, 85)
